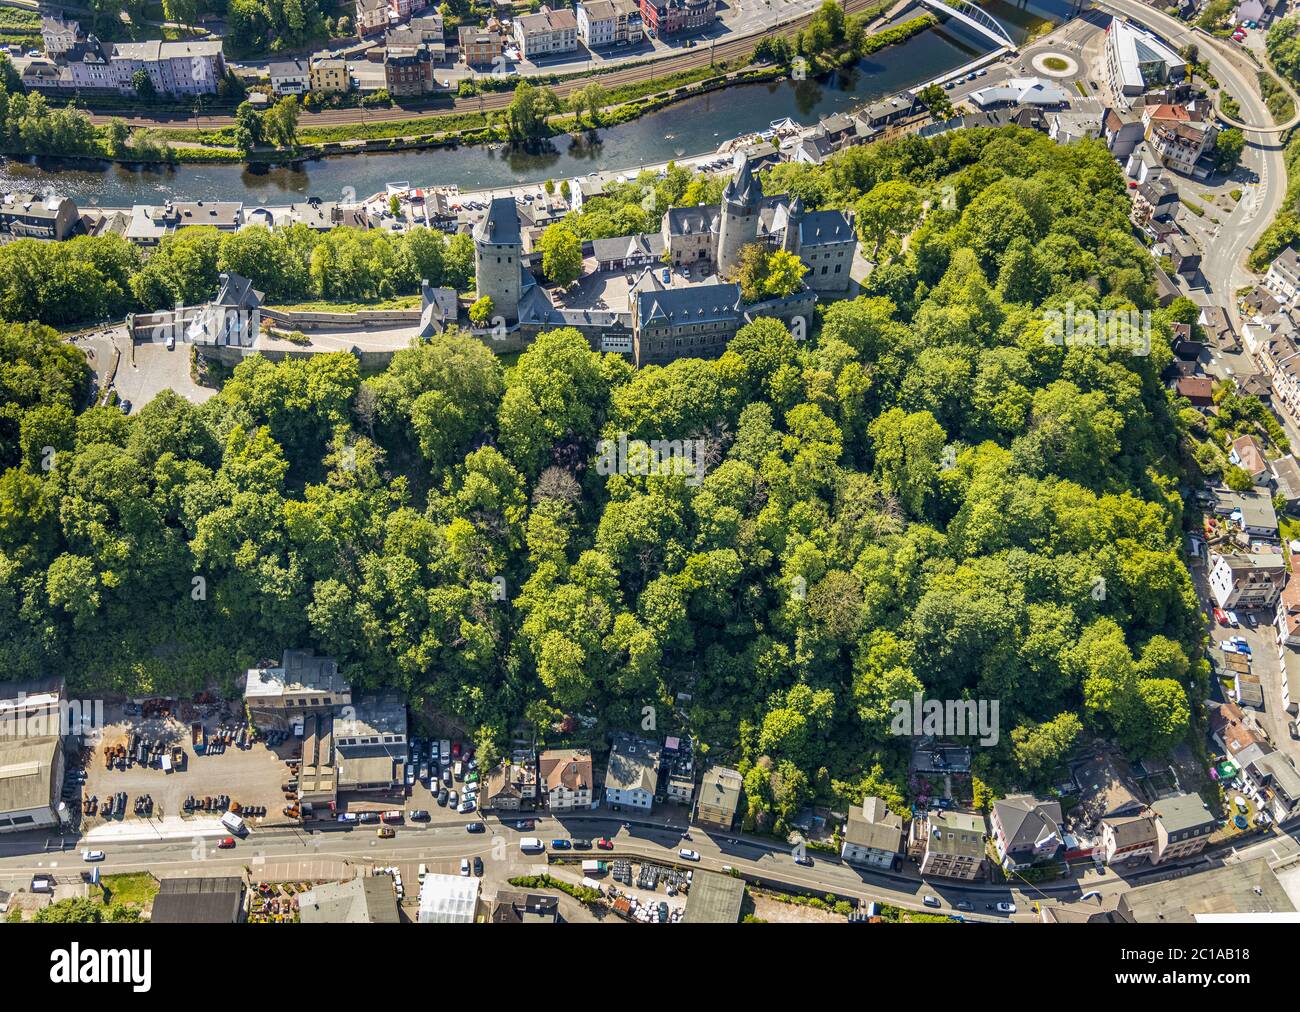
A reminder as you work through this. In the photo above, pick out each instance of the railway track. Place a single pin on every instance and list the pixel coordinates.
(686, 60)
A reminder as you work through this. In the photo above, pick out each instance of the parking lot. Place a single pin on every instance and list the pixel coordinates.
(250, 776)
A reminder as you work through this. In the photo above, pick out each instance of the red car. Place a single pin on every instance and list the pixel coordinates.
(1220, 616)
(455, 750)
(605, 843)
(227, 843)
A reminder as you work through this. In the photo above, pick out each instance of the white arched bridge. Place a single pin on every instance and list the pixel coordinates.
(976, 17)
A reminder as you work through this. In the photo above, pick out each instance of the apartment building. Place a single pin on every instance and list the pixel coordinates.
(953, 844)
(633, 772)
(546, 33)
(1247, 580)
(609, 23)
(1179, 137)
(175, 68)
(408, 71)
(719, 798)
(666, 18)
(565, 777)
(330, 77)
(1183, 827)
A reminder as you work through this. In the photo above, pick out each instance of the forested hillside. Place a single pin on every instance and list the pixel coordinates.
(923, 495)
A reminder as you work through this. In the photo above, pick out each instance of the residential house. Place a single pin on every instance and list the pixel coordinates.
(628, 252)
(1274, 777)
(1185, 254)
(1122, 132)
(719, 798)
(150, 223)
(1286, 480)
(371, 17)
(427, 31)
(290, 77)
(873, 835)
(1127, 838)
(1183, 827)
(28, 216)
(234, 318)
(546, 33)
(510, 787)
(566, 779)
(1247, 454)
(1283, 277)
(631, 778)
(58, 35)
(1247, 580)
(1252, 511)
(513, 906)
(954, 845)
(1199, 390)
(1025, 830)
(679, 758)
(1075, 124)
(1217, 326)
(481, 47)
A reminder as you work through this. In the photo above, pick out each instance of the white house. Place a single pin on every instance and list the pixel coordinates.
(633, 772)
(291, 77)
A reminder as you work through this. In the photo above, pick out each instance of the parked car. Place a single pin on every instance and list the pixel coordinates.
(964, 905)
(468, 805)
(474, 827)
(226, 844)
(688, 855)
(525, 824)
(560, 845)
(478, 866)
(1293, 729)
(442, 797)
(605, 843)
(1006, 908)
(92, 855)
(1233, 620)
(582, 845)
(931, 901)
(464, 866)
(386, 832)
(1252, 621)
(1220, 616)
(419, 815)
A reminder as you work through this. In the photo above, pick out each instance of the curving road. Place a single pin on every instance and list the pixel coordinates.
(1223, 263)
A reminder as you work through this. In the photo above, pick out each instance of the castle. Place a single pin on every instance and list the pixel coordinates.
(692, 308)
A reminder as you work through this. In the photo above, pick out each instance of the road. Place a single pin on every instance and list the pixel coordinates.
(687, 59)
(1223, 263)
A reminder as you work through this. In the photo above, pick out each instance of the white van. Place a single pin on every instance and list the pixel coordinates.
(531, 845)
(234, 823)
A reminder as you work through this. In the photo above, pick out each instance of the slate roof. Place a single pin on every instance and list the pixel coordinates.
(500, 226)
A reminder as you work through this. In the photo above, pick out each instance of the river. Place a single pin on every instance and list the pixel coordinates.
(693, 126)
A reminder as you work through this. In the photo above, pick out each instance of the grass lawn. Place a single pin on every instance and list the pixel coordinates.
(398, 302)
(1055, 63)
(137, 889)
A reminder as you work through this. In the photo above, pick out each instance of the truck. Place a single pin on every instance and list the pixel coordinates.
(234, 823)
(198, 737)
(594, 867)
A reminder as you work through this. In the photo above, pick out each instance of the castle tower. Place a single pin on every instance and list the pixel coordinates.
(793, 219)
(738, 224)
(498, 247)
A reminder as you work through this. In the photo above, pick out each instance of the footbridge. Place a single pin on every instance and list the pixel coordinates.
(976, 17)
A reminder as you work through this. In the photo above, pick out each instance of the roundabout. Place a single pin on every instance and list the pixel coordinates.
(1055, 65)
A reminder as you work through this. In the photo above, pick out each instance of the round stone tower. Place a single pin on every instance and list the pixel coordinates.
(738, 224)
